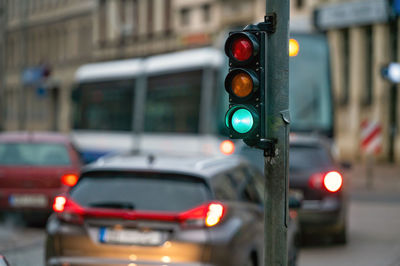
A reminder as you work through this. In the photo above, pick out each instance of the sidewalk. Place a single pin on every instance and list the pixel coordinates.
(385, 180)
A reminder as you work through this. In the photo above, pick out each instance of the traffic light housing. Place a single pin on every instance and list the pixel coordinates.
(245, 117)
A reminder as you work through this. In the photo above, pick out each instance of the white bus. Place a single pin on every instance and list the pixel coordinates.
(182, 93)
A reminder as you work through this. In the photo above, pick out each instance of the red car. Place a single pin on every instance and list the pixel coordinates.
(34, 168)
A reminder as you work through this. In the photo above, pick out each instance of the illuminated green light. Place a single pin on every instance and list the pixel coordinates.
(242, 121)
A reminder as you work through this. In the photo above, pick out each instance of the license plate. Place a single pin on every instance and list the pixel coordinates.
(133, 237)
(31, 200)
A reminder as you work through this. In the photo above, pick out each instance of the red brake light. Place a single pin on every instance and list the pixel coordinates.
(333, 181)
(214, 214)
(242, 49)
(69, 180)
(59, 203)
(208, 214)
(67, 210)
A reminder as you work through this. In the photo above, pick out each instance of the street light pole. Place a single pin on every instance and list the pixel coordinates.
(277, 121)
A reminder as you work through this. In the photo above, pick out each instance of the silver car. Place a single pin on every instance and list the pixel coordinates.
(161, 210)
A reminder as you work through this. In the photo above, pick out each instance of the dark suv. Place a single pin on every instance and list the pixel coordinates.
(316, 177)
(161, 210)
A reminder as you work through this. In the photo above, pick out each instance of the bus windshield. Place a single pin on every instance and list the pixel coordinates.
(173, 103)
(104, 105)
(309, 86)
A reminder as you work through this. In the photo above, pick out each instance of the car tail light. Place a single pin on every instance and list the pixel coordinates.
(59, 203)
(331, 181)
(67, 210)
(209, 215)
(69, 180)
(214, 214)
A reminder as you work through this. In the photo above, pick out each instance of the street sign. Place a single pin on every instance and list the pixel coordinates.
(341, 15)
(35, 76)
(32, 75)
(371, 137)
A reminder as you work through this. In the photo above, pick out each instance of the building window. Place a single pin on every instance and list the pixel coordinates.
(135, 19)
(167, 16)
(345, 68)
(150, 10)
(10, 53)
(85, 41)
(102, 22)
(367, 98)
(185, 16)
(206, 12)
(299, 4)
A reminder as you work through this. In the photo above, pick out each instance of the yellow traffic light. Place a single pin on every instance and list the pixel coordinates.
(294, 47)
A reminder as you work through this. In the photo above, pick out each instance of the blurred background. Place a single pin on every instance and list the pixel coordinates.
(44, 42)
(50, 81)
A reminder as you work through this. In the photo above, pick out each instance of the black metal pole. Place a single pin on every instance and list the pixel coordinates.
(277, 121)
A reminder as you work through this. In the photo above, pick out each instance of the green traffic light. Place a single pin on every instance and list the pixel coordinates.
(242, 121)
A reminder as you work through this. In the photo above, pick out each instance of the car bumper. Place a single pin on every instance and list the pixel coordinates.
(68, 244)
(322, 215)
(89, 261)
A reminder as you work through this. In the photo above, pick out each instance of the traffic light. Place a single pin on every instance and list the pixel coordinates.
(245, 85)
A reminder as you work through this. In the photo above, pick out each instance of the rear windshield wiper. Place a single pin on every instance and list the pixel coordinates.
(113, 205)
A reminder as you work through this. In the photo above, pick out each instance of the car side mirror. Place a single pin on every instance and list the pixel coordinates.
(294, 202)
(346, 165)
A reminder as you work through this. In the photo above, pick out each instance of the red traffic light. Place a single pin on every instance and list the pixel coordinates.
(242, 49)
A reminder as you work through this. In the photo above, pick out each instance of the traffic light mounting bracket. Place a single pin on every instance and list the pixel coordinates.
(268, 26)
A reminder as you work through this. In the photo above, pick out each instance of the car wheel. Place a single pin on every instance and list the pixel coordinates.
(340, 237)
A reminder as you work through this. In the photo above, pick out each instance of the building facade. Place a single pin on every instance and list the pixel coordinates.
(362, 43)
(45, 41)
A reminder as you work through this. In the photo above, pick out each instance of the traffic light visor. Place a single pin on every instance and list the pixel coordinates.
(242, 49)
(242, 121)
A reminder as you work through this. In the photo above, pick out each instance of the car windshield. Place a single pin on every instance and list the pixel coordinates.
(307, 157)
(34, 154)
(153, 192)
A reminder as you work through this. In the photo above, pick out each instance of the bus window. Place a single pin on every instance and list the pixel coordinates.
(104, 106)
(309, 86)
(173, 103)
